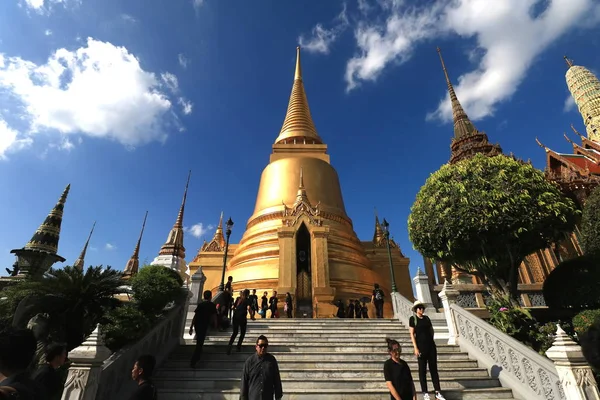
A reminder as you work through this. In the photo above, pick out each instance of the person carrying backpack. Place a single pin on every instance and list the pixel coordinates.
(421, 335)
(377, 299)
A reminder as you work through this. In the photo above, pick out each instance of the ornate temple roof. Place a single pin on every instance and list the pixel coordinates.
(174, 244)
(585, 89)
(298, 124)
(46, 237)
(218, 241)
(133, 264)
(80, 262)
(467, 140)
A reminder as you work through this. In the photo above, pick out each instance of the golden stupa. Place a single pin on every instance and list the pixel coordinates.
(299, 238)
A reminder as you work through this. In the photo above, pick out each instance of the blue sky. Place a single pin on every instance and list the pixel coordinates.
(121, 99)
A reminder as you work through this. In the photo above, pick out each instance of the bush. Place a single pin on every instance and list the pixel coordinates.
(574, 284)
(156, 286)
(584, 320)
(124, 325)
(590, 220)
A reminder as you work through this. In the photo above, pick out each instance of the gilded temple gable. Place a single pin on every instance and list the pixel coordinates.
(302, 206)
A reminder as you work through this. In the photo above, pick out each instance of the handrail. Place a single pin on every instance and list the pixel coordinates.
(529, 374)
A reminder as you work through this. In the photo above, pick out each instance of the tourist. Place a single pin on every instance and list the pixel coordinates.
(229, 283)
(377, 299)
(357, 309)
(350, 309)
(289, 307)
(273, 305)
(204, 316)
(340, 309)
(264, 306)
(365, 310)
(396, 372)
(224, 309)
(421, 335)
(17, 350)
(46, 375)
(142, 375)
(229, 289)
(240, 321)
(253, 304)
(260, 377)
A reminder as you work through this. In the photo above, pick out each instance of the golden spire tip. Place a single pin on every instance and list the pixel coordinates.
(569, 62)
(298, 72)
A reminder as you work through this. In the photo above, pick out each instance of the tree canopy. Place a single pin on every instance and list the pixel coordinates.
(590, 224)
(484, 215)
(574, 284)
(155, 286)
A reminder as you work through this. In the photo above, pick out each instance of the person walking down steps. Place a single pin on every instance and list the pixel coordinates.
(240, 320)
(204, 317)
(260, 377)
(421, 335)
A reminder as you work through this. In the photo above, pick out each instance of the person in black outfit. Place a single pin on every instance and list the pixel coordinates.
(17, 350)
(357, 309)
(396, 372)
(260, 378)
(273, 304)
(264, 305)
(240, 321)
(142, 375)
(230, 290)
(421, 334)
(365, 310)
(253, 304)
(223, 310)
(46, 375)
(340, 311)
(377, 299)
(350, 309)
(204, 316)
(289, 306)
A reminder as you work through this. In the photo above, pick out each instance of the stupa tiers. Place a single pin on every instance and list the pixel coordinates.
(80, 262)
(172, 253)
(299, 238)
(133, 264)
(467, 142)
(40, 253)
(578, 173)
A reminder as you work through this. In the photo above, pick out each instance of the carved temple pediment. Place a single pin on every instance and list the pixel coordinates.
(291, 215)
(213, 245)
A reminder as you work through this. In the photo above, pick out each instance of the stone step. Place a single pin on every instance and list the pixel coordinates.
(200, 383)
(294, 372)
(213, 354)
(334, 394)
(316, 363)
(216, 347)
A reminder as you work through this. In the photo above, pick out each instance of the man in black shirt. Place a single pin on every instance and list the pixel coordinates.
(204, 316)
(377, 300)
(142, 374)
(240, 320)
(398, 377)
(253, 304)
(260, 377)
(46, 375)
(273, 304)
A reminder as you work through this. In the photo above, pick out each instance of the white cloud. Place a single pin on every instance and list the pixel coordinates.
(128, 18)
(364, 7)
(48, 32)
(186, 106)
(170, 81)
(569, 104)
(183, 60)
(110, 247)
(321, 39)
(99, 90)
(503, 54)
(45, 6)
(197, 4)
(10, 140)
(199, 230)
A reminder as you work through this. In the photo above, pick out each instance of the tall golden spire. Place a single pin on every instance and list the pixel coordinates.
(298, 126)
(462, 124)
(174, 244)
(132, 266)
(80, 262)
(378, 235)
(585, 89)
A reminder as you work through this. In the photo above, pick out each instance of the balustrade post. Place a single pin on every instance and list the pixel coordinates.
(448, 295)
(423, 290)
(197, 287)
(575, 375)
(86, 368)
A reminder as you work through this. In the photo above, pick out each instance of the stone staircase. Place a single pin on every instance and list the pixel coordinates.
(319, 359)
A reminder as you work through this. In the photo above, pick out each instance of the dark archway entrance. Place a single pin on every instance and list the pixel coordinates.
(303, 274)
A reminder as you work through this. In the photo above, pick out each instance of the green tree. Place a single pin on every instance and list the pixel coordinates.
(574, 284)
(156, 286)
(75, 301)
(484, 215)
(590, 224)
(123, 325)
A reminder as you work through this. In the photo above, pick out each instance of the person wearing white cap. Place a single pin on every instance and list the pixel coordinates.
(421, 335)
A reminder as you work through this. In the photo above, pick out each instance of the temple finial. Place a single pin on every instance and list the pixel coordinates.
(576, 131)
(179, 221)
(541, 144)
(301, 184)
(298, 72)
(378, 235)
(174, 244)
(568, 139)
(569, 62)
(220, 221)
(462, 124)
(132, 266)
(80, 262)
